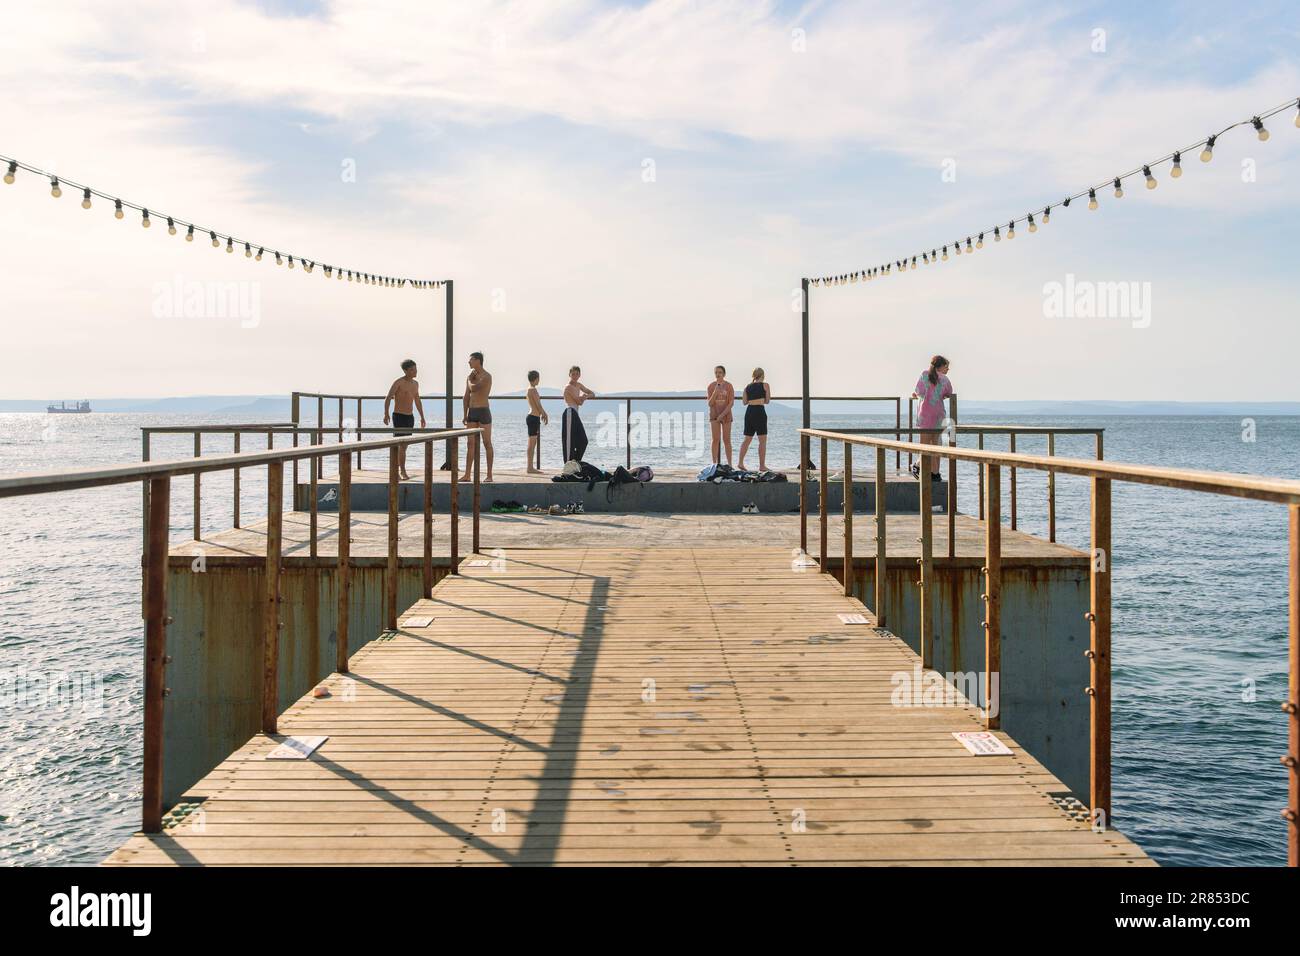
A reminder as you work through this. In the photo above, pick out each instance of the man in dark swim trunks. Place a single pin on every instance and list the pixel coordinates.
(404, 395)
(478, 414)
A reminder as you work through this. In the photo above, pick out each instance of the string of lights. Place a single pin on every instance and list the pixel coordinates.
(975, 240)
(251, 250)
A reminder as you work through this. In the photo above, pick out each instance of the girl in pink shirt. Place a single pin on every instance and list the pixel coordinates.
(931, 389)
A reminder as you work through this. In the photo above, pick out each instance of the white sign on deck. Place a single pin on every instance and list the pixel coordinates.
(418, 622)
(982, 743)
(296, 748)
(478, 564)
(853, 619)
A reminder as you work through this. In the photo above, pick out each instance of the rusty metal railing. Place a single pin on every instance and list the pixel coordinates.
(156, 516)
(1011, 431)
(1101, 474)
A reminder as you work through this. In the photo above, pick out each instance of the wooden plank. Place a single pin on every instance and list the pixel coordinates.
(629, 707)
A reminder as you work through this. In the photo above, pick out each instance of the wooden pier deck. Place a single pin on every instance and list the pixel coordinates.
(629, 706)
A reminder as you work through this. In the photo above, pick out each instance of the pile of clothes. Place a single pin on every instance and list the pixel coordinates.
(718, 473)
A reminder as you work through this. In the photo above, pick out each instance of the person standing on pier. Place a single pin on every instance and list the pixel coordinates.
(757, 395)
(534, 421)
(721, 396)
(404, 396)
(573, 436)
(932, 388)
(478, 413)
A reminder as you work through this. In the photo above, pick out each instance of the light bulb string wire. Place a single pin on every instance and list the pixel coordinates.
(1293, 103)
(9, 163)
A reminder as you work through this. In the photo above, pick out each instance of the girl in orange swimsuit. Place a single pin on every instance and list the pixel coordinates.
(721, 397)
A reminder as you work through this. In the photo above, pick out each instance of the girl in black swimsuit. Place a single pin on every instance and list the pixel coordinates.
(757, 395)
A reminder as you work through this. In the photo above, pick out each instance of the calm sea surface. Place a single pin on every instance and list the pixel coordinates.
(1200, 615)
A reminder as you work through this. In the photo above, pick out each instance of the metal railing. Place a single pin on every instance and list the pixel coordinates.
(158, 476)
(297, 398)
(1101, 474)
(1011, 431)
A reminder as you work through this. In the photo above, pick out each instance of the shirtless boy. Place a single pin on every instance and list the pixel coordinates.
(478, 389)
(573, 437)
(534, 421)
(404, 397)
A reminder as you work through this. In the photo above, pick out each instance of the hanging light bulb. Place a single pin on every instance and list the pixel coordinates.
(349, 275)
(1177, 170)
(230, 245)
(945, 253)
(85, 198)
(1066, 203)
(1151, 180)
(9, 174)
(1047, 215)
(913, 262)
(1119, 189)
(291, 262)
(979, 243)
(997, 234)
(1011, 229)
(1032, 226)
(55, 191)
(968, 246)
(189, 235)
(1259, 128)
(171, 226)
(117, 209)
(144, 219)
(258, 257)
(1207, 154)
(215, 242)
(1092, 199)
(278, 260)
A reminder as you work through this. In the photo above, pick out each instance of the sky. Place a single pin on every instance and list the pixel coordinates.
(638, 188)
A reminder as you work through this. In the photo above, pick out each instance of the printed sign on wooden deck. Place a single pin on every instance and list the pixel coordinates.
(296, 748)
(982, 743)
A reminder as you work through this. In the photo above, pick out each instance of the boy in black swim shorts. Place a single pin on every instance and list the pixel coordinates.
(534, 420)
(404, 396)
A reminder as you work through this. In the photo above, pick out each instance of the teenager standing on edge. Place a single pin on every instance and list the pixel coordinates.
(404, 396)
(757, 395)
(478, 414)
(721, 396)
(573, 436)
(932, 388)
(534, 421)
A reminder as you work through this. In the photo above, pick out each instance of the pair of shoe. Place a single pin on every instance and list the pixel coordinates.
(749, 509)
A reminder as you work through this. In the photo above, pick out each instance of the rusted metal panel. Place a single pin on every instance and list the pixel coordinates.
(1044, 636)
(215, 677)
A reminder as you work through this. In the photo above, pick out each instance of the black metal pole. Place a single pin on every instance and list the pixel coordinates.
(807, 395)
(450, 344)
(450, 304)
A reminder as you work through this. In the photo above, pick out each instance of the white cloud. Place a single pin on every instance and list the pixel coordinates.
(694, 268)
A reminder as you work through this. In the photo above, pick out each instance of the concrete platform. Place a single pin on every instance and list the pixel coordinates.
(673, 491)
